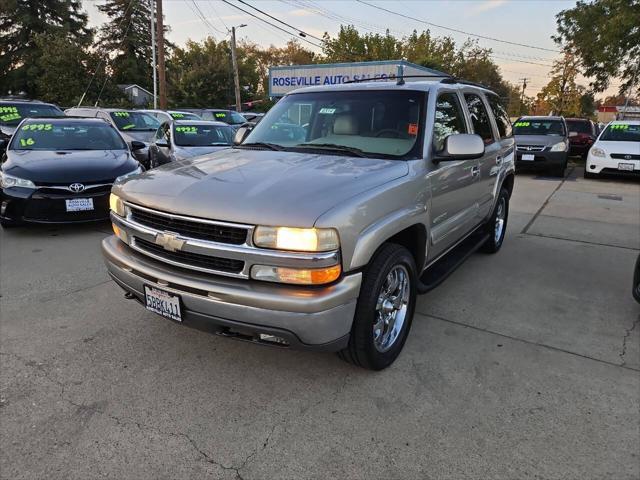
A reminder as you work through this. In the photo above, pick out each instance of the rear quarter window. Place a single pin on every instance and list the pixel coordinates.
(501, 116)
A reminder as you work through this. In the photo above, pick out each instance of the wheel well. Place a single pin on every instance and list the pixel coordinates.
(508, 183)
(414, 238)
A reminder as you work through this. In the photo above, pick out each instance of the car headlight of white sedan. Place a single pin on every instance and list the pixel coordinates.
(597, 152)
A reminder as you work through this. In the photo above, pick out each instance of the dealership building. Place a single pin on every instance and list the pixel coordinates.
(284, 79)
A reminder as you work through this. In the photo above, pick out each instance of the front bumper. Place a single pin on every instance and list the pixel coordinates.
(21, 205)
(542, 160)
(316, 318)
(610, 166)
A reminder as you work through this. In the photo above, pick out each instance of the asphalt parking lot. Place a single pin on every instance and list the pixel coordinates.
(525, 364)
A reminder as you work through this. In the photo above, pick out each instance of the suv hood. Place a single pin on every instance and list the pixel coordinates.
(546, 140)
(258, 187)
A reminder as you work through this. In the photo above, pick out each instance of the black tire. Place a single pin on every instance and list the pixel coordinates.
(559, 171)
(495, 241)
(7, 223)
(362, 350)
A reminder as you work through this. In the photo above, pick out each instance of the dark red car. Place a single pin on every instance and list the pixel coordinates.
(582, 134)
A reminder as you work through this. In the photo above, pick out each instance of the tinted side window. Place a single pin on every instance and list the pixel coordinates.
(502, 118)
(449, 119)
(479, 118)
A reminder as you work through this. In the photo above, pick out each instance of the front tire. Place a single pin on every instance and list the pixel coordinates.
(496, 227)
(385, 309)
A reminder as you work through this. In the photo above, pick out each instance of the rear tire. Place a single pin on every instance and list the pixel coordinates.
(384, 310)
(7, 223)
(496, 227)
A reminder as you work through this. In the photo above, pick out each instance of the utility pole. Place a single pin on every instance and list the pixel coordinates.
(524, 86)
(630, 92)
(153, 53)
(234, 61)
(161, 69)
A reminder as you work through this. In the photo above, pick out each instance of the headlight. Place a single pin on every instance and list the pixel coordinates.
(296, 276)
(133, 172)
(116, 205)
(597, 152)
(297, 239)
(559, 147)
(7, 181)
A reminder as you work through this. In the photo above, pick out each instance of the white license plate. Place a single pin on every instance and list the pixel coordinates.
(528, 156)
(79, 204)
(163, 303)
(625, 166)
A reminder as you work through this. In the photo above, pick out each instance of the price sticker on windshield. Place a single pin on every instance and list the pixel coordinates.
(27, 142)
(10, 116)
(121, 114)
(522, 124)
(187, 129)
(38, 126)
(327, 111)
(221, 115)
(177, 115)
(620, 127)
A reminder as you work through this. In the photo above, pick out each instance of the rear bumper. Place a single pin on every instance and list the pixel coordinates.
(579, 148)
(542, 160)
(22, 205)
(307, 318)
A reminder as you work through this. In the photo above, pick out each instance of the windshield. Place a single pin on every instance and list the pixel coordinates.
(579, 126)
(538, 127)
(202, 135)
(376, 123)
(67, 136)
(621, 132)
(230, 117)
(184, 116)
(13, 113)
(134, 121)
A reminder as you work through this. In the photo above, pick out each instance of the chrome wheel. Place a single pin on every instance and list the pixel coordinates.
(500, 216)
(391, 308)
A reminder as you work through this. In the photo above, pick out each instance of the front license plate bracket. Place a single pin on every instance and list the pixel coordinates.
(163, 303)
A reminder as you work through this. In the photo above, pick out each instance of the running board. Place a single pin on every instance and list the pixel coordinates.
(439, 271)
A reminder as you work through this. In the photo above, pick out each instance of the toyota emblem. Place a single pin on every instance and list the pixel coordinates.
(76, 187)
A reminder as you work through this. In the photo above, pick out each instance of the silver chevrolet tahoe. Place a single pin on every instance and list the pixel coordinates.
(322, 225)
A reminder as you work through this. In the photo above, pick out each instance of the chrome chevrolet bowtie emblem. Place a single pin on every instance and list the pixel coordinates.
(76, 187)
(169, 241)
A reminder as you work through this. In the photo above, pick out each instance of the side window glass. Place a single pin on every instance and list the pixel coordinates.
(167, 132)
(449, 119)
(502, 118)
(479, 118)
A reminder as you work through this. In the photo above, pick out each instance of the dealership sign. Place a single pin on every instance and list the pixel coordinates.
(282, 80)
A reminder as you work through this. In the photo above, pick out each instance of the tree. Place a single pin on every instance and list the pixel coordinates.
(126, 38)
(562, 95)
(21, 22)
(65, 69)
(605, 36)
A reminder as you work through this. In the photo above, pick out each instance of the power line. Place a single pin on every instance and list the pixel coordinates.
(269, 23)
(454, 29)
(301, 32)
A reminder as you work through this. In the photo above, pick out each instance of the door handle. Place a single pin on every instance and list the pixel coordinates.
(475, 171)
(498, 160)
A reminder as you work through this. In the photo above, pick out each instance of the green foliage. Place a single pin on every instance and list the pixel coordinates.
(605, 35)
(562, 95)
(21, 23)
(126, 38)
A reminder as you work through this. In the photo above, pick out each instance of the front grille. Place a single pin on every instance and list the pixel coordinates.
(623, 156)
(191, 259)
(190, 228)
(530, 148)
(53, 208)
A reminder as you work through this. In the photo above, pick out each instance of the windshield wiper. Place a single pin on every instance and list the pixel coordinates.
(268, 146)
(353, 151)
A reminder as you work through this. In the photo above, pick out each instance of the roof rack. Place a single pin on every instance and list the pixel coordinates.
(463, 81)
(395, 77)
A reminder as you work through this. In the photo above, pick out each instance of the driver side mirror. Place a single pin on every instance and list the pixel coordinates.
(136, 145)
(241, 134)
(460, 146)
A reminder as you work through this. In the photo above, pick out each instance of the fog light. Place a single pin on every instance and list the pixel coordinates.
(296, 276)
(592, 167)
(121, 234)
(3, 207)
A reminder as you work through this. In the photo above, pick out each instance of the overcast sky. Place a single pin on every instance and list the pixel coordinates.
(528, 22)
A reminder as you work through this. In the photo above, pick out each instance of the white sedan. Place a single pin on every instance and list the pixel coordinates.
(616, 151)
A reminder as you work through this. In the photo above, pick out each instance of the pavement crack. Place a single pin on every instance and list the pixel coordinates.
(627, 334)
(546, 202)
